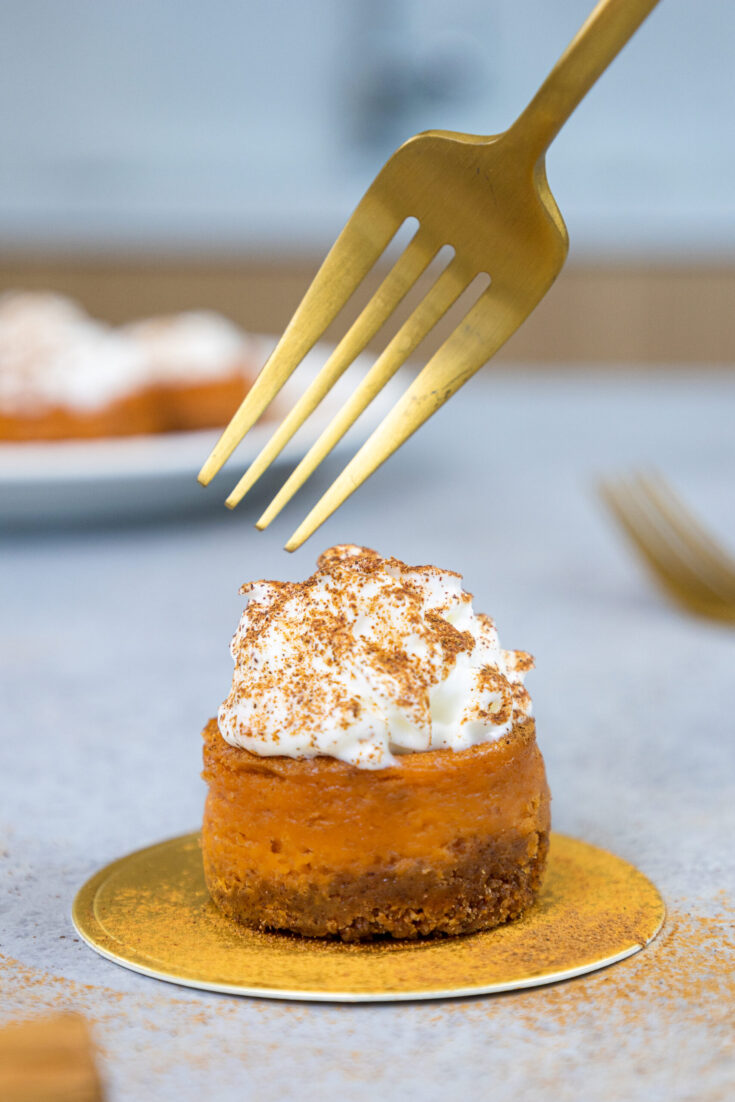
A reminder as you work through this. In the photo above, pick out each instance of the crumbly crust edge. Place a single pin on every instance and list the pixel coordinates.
(484, 885)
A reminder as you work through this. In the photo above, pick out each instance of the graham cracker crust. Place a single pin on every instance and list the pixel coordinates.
(484, 885)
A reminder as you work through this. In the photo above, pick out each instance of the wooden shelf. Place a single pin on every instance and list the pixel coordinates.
(595, 313)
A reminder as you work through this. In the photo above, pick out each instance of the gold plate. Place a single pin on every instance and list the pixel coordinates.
(151, 912)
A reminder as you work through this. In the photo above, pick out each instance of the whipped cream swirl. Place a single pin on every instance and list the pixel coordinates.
(195, 346)
(366, 660)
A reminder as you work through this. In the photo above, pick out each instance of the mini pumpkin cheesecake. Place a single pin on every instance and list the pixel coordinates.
(66, 376)
(199, 366)
(374, 770)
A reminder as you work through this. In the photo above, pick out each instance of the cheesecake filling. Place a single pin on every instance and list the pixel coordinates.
(366, 660)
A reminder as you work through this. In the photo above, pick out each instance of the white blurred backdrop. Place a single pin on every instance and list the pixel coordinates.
(256, 124)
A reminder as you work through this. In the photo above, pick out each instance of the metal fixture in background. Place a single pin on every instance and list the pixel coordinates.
(409, 65)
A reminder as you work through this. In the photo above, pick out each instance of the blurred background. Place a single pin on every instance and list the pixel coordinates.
(159, 156)
(162, 155)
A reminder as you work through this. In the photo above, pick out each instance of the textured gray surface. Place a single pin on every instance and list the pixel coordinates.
(113, 651)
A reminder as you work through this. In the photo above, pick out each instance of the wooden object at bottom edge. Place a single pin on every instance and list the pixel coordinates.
(48, 1059)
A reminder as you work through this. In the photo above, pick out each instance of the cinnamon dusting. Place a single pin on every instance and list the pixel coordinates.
(347, 664)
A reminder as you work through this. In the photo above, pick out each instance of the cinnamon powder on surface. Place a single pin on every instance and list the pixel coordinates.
(682, 985)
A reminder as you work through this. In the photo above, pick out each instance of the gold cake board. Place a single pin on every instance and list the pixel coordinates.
(151, 912)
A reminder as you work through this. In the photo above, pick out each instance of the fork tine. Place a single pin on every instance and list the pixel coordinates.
(412, 262)
(673, 573)
(707, 556)
(353, 254)
(445, 291)
(478, 336)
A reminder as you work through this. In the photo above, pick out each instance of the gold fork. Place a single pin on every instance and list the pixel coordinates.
(488, 198)
(684, 558)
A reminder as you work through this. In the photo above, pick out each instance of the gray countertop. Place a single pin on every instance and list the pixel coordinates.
(113, 645)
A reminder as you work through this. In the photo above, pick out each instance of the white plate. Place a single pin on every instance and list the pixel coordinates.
(131, 477)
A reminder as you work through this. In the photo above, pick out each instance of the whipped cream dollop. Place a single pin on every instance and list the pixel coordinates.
(53, 354)
(366, 660)
(197, 345)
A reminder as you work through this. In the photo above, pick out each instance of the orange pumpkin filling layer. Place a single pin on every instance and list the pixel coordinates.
(445, 842)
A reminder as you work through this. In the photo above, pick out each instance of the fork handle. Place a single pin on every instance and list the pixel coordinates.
(586, 57)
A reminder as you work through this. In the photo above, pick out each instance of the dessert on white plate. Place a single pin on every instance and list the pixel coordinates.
(63, 453)
(65, 375)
